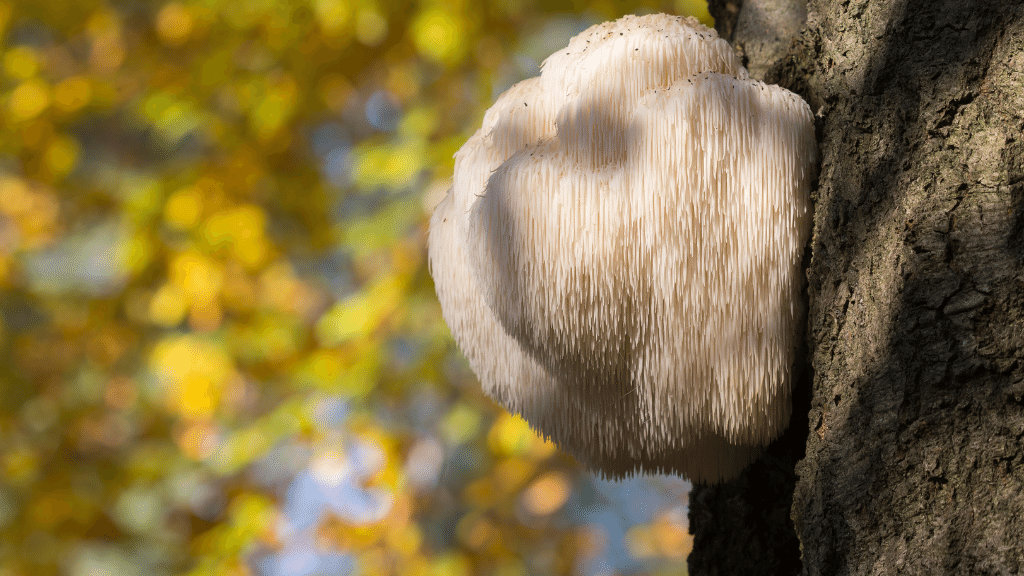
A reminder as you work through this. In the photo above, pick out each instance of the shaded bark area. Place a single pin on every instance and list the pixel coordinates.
(914, 461)
(725, 13)
(744, 526)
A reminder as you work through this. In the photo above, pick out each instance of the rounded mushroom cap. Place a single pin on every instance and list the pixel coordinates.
(619, 256)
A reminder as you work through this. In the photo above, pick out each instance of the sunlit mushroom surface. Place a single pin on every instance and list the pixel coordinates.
(619, 255)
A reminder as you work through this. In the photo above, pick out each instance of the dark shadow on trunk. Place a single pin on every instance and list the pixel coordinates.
(744, 526)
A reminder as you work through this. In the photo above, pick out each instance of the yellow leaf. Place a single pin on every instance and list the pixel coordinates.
(360, 314)
(419, 122)
(512, 435)
(167, 307)
(371, 26)
(451, 564)
(61, 156)
(349, 318)
(696, 8)
(241, 230)
(174, 23)
(136, 252)
(275, 108)
(184, 208)
(440, 35)
(19, 465)
(322, 369)
(21, 62)
(199, 278)
(333, 16)
(29, 100)
(509, 435)
(406, 540)
(388, 165)
(547, 494)
(194, 373)
(71, 94)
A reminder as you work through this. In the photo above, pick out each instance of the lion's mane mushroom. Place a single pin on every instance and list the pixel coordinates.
(619, 255)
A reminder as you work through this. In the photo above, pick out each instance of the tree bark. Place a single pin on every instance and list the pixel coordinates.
(907, 458)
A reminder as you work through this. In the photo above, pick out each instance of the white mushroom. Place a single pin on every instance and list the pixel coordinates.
(619, 256)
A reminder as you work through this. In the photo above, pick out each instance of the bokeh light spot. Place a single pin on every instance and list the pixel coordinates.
(21, 62)
(194, 371)
(199, 278)
(167, 307)
(72, 94)
(29, 100)
(174, 23)
(333, 16)
(547, 494)
(184, 208)
(371, 27)
(61, 156)
(440, 36)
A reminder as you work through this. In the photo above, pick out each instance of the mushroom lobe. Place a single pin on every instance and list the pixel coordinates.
(619, 256)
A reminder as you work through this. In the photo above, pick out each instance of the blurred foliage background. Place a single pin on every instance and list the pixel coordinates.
(220, 351)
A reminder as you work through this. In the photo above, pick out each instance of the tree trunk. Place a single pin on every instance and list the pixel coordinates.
(908, 458)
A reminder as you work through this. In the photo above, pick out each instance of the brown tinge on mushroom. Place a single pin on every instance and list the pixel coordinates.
(619, 255)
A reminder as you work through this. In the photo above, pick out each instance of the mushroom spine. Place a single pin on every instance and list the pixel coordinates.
(619, 255)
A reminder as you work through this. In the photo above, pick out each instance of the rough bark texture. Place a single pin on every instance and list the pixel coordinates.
(765, 31)
(914, 461)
